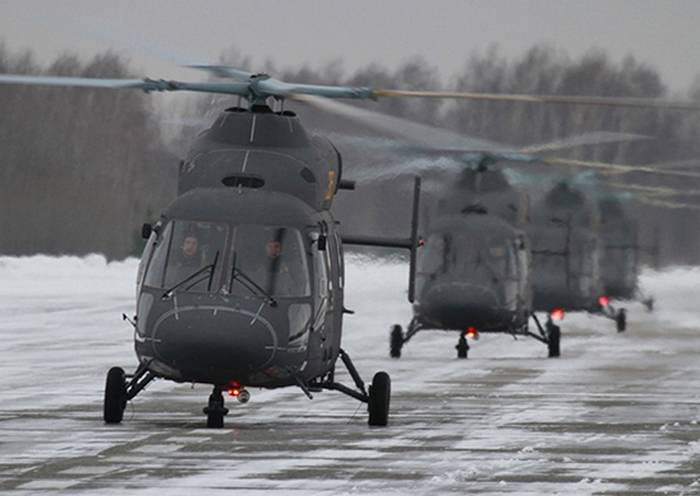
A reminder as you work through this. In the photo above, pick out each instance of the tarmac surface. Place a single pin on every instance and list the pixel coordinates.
(617, 414)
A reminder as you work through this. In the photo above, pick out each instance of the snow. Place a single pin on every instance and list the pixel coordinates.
(616, 414)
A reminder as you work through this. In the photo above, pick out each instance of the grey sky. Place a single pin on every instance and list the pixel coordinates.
(662, 33)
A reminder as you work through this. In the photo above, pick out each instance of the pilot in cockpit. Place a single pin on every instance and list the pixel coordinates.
(279, 279)
(189, 252)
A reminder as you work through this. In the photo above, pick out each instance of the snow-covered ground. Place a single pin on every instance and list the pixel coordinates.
(616, 414)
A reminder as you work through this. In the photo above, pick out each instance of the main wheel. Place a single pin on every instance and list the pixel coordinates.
(115, 396)
(379, 398)
(621, 320)
(462, 347)
(396, 341)
(553, 340)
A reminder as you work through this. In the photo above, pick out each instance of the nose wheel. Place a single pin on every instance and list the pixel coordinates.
(553, 338)
(621, 320)
(396, 341)
(215, 410)
(462, 346)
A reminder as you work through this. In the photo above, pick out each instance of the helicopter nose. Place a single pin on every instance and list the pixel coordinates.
(214, 342)
(459, 303)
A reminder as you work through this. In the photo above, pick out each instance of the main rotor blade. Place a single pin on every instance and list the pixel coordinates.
(282, 89)
(147, 85)
(618, 168)
(668, 204)
(72, 81)
(584, 139)
(643, 103)
(654, 190)
(415, 134)
(224, 71)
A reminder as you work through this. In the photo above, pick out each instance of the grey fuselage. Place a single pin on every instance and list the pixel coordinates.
(254, 198)
(620, 256)
(474, 269)
(566, 251)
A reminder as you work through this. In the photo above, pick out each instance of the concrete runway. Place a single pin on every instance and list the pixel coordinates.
(616, 414)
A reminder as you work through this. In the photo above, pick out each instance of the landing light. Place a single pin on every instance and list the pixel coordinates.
(557, 314)
(603, 301)
(233, 388)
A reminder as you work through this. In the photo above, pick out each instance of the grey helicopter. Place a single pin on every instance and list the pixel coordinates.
(586, 250)
(622, 252)
(567, 252)
(474, 271)
(241, 281)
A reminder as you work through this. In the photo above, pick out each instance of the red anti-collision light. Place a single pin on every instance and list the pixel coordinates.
(471, 332)
(603, 301)
(557, 314)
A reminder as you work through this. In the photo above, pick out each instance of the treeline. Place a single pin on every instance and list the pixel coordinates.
(83, 168)
(540, 70)
(80, 168)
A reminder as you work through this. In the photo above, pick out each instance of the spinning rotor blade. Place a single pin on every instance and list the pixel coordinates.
(592, 138)
(415, 134)
(258, 87)
(72, 81)
(654, 191)
(147, 85)
(618, 168)
(668, 204)
(223, 71)
(559, 99)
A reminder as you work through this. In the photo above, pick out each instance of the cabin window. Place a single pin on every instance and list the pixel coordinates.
(268, 260)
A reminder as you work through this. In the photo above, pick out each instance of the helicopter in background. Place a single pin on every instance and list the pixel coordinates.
(474, 273)
(568, 253)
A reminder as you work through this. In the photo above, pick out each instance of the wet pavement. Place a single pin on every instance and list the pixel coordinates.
(616, 414)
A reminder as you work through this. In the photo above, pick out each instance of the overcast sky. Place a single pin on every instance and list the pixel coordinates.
(663, 33)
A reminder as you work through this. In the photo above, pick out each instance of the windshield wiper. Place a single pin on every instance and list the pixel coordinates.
(211, 267)
(246, 281)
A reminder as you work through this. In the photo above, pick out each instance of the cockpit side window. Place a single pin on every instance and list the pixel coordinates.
(154, 274)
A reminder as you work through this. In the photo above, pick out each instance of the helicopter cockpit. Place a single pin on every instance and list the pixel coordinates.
(240, 260)
(483, 261)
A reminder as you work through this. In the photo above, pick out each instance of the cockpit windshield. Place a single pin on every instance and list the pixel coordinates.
(187, 255)
(243, 260)
(447, 252)
(269, 260)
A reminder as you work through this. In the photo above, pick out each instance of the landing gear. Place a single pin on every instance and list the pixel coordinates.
(379, 397)
(396, 341)
(462, 346)
(621, 320)
(215, 410)
(553, 338)
(115, 396)
(118, 391)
